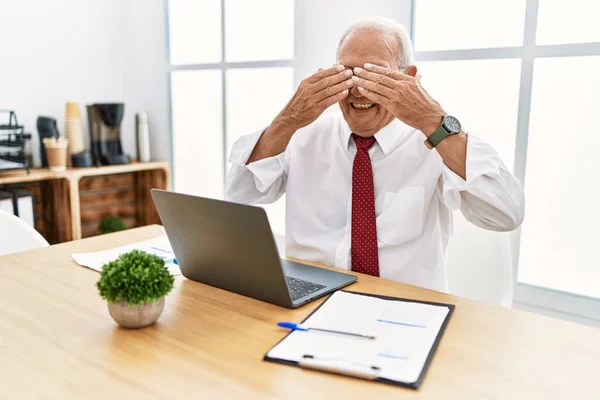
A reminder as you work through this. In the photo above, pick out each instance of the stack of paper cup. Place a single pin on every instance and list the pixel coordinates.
(73, 129)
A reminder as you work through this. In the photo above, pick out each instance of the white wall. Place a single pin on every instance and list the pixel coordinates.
(148, 73)
(86, 51)
(320, 24)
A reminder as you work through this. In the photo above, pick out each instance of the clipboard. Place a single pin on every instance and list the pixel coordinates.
(366, 371)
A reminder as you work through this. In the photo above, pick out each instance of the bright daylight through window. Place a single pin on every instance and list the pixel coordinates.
(520, 69)
(231, 82)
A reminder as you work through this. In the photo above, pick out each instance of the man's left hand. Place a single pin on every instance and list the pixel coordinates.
(401, 94)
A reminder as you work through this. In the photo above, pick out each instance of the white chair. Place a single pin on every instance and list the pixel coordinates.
(480, 264)
(16, 235)
(280, 242)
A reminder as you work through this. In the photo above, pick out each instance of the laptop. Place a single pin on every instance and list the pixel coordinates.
(231, 246)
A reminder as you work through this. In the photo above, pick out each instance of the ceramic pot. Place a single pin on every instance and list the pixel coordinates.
(137, 315)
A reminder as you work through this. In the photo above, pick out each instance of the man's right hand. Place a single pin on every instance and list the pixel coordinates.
(314, 95)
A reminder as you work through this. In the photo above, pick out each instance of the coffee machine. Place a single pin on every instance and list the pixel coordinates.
(105, 133)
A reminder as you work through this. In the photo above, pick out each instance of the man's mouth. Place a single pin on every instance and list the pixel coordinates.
(361, 106)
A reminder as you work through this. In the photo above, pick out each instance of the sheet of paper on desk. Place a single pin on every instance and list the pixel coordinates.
(405, 333)
(159, 246)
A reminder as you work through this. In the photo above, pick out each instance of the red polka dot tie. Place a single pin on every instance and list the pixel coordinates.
(365, 258)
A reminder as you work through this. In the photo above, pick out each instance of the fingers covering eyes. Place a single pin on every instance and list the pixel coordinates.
(374, 87)
(331, 100)
(333, 90)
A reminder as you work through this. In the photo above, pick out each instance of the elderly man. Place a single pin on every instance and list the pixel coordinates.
(373, 191)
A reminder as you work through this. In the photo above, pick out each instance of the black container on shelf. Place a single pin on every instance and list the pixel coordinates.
(13, 140)
(105, 133)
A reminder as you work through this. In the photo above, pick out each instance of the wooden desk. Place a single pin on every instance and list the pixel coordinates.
(58, 341)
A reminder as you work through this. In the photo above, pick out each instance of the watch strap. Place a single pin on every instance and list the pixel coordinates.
(436, 137)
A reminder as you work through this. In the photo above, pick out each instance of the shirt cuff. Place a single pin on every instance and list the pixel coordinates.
(265, 171)
(242, 148)
(482, 160)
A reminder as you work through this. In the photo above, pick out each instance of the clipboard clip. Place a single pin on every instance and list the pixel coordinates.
(340, 366)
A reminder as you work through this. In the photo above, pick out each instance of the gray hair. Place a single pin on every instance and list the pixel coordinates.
(387, 26)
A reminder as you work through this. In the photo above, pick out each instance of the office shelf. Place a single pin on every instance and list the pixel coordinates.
(70, 205)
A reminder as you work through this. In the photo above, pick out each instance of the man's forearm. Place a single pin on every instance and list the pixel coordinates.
(453, 151)
(273, 141)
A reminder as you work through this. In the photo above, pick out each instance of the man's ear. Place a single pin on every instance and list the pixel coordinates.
(411, 70)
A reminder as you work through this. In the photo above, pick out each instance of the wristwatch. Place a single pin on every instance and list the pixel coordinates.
(449, 126)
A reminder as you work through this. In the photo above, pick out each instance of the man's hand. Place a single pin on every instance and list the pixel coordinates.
(402, 95)
(314, 95)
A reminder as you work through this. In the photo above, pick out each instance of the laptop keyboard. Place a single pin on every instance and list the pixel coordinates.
(300, 288)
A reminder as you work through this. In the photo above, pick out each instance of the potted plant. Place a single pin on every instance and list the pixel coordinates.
(135, 285)
(111, 224)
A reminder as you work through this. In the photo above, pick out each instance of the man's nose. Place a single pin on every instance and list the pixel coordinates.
(355, 92)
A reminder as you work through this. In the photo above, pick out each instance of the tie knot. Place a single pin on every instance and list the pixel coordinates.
(363, 143)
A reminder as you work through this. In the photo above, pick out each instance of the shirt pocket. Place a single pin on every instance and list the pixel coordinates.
(402, 217)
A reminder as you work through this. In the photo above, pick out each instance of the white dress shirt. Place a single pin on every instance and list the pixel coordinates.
(415, 194)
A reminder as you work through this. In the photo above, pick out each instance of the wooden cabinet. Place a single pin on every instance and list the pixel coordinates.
(70, 205)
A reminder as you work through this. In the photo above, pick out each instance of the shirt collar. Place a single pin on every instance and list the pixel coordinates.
(386, 137)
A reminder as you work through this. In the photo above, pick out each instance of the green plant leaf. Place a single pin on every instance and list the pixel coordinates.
(111, 224)
(136, 277)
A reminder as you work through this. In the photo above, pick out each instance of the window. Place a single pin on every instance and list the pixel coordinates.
(573, 21)
(500, 78)
(475, 24)
(558, 241)
(196, 99)
(194, 32)
(535, 63)
(230, 75)
(259, 30)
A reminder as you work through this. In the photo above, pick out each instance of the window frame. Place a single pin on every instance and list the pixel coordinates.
(526, 296)
(222, 66)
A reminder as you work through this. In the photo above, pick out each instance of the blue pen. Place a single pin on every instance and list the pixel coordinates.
(166, 258)
(300, 327)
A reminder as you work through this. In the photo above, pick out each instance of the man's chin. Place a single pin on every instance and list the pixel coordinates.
(363, 127)
(362, 130)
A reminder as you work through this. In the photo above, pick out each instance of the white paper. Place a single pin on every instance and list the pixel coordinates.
(405, 333)
(159, 246)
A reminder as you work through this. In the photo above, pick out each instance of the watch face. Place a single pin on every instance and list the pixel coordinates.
(451, 124)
